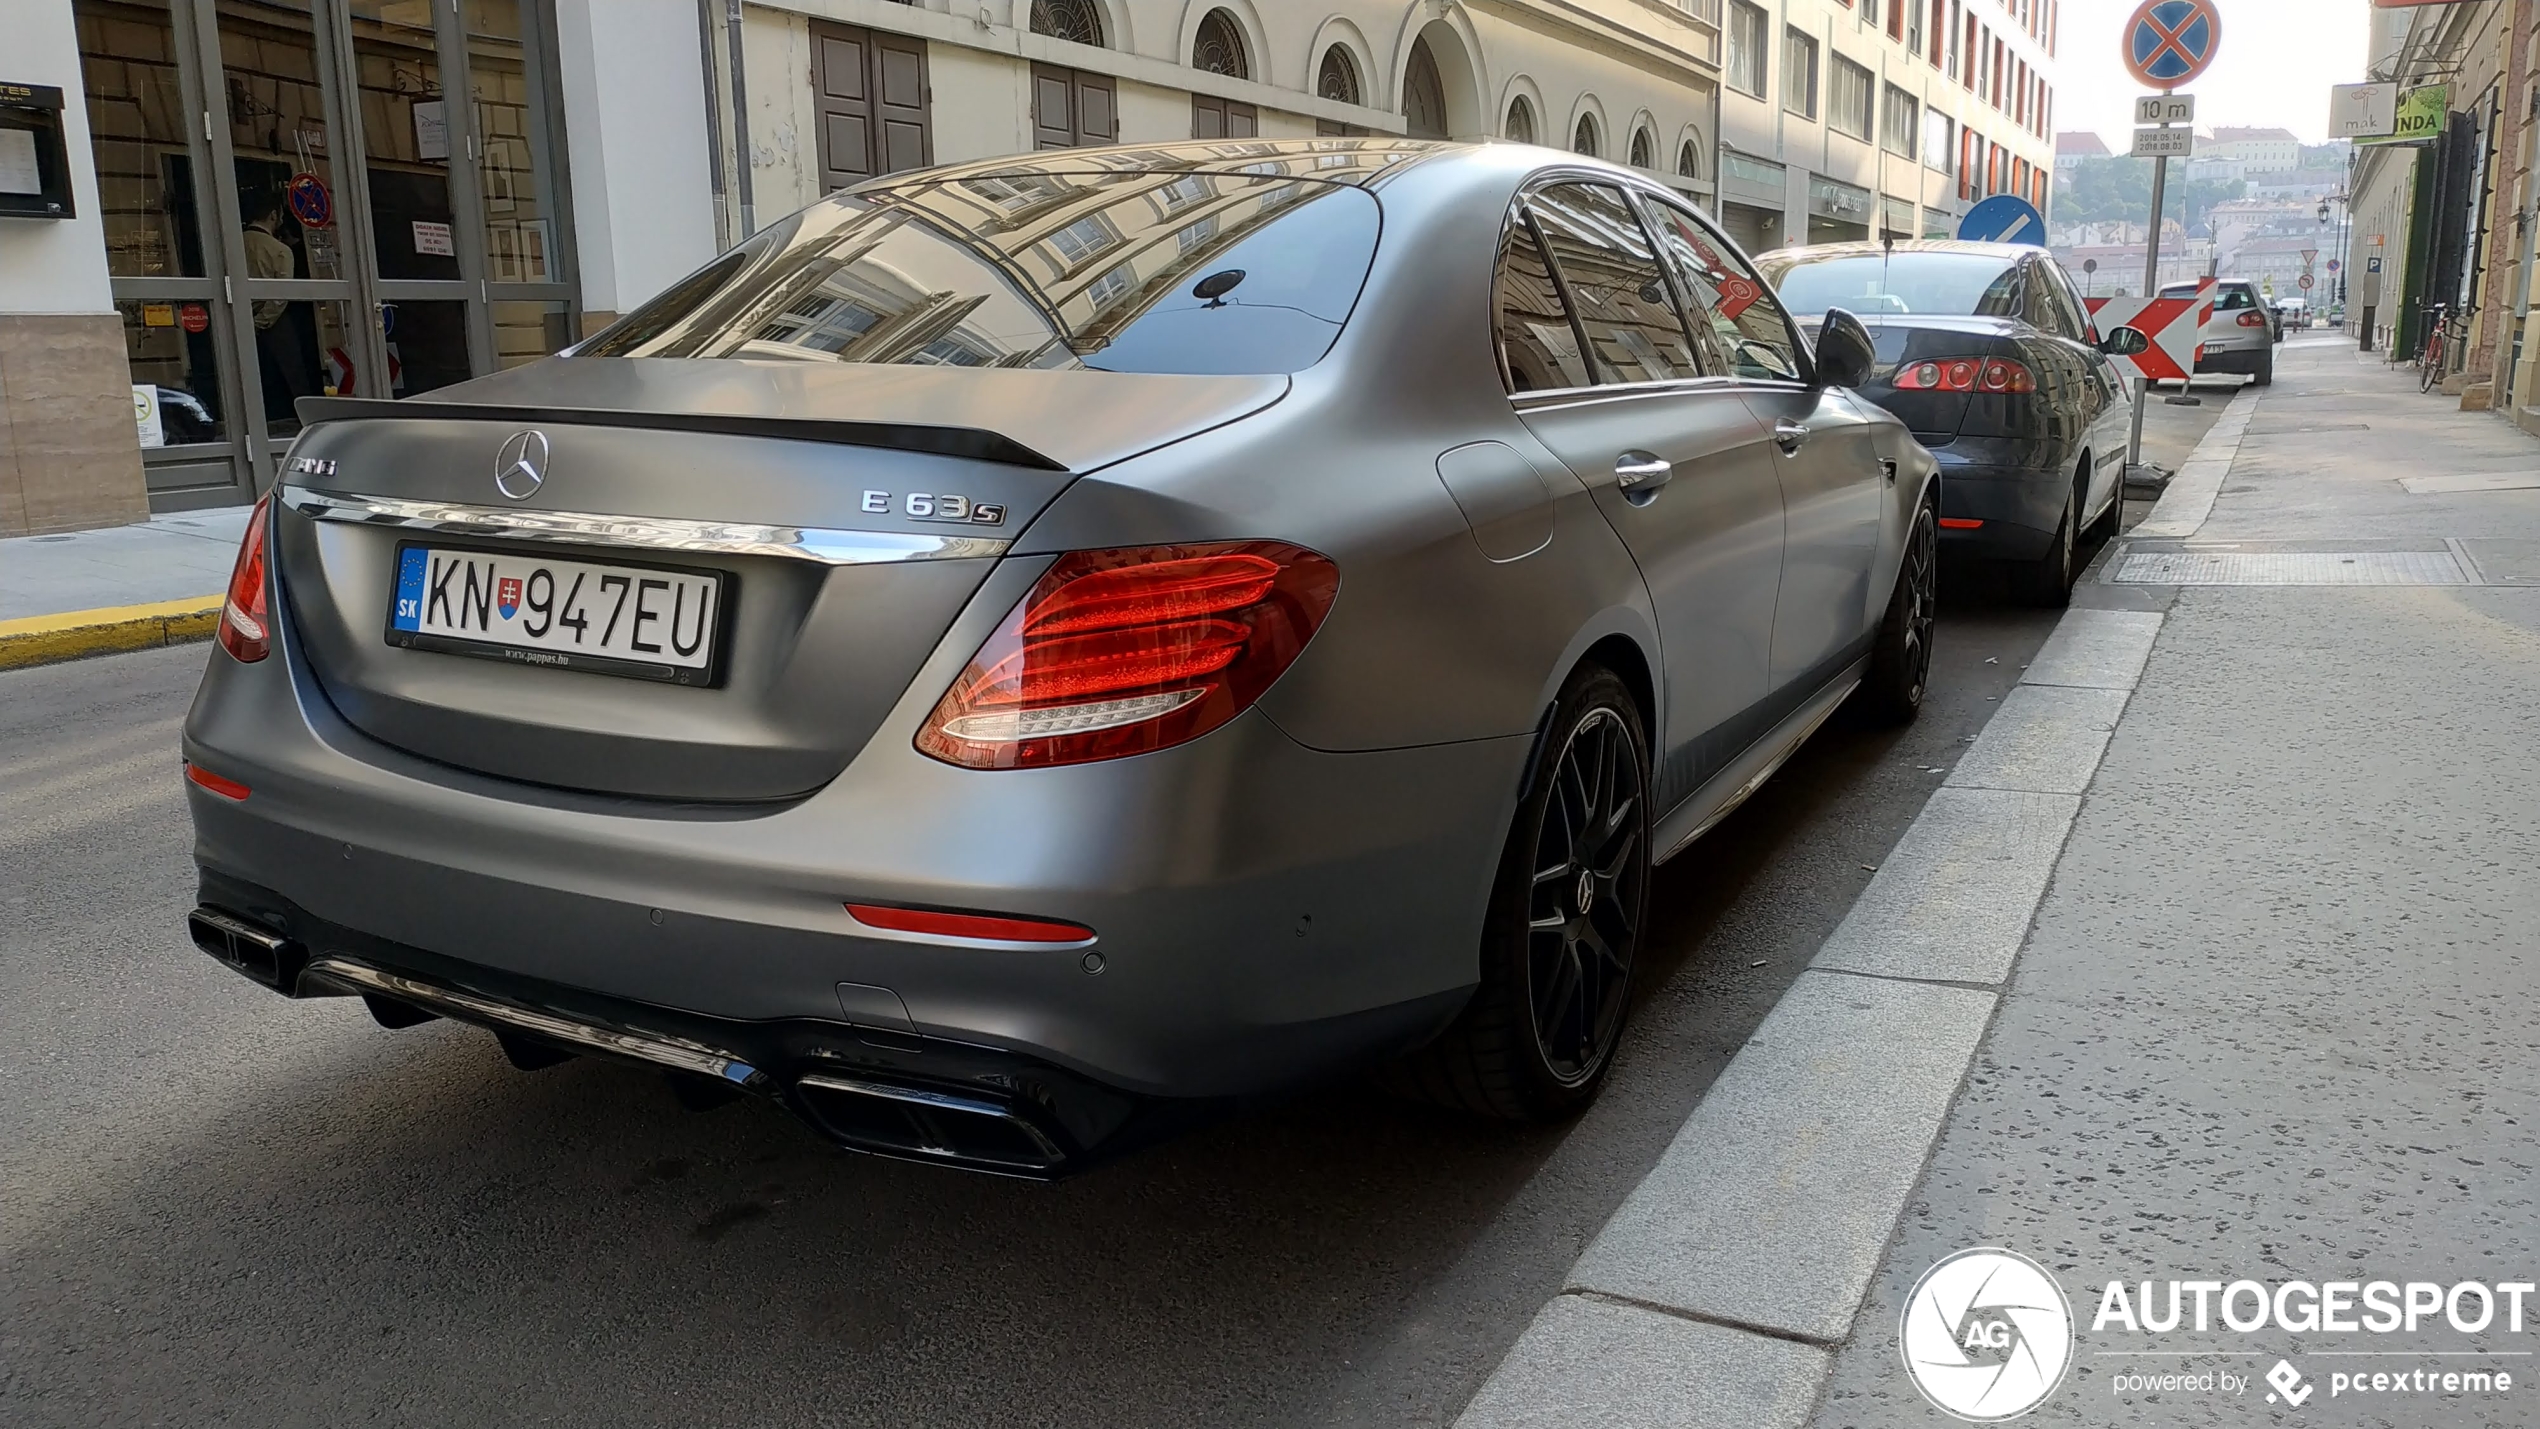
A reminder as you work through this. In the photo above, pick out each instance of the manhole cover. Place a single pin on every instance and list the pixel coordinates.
(2291, 568)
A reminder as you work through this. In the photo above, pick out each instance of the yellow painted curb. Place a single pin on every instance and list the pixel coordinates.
(43, 639)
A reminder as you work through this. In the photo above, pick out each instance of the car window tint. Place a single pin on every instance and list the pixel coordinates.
(1699, 300)
(1748, 325)
(1115, 271)
(1536, 341)
(2227, 298)
(2050, 307)
(1629, 318)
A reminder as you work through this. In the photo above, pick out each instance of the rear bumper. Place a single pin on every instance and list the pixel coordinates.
(2244, 356)
(2018, 505)
(1264, 914)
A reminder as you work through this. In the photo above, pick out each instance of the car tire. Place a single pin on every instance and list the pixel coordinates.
(1900, 663)
(2266, 370)
(2048, 580)
(1538, 1037)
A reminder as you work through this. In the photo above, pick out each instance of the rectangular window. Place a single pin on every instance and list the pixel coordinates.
(1537, 345)
(1072, 108)
(1940, 142)
(870, 91)
(1214, 118)
(1896, 18)
(1799, 73)
(1850, 94)
(1749, 49)
(1970, 55)
(1897, 120)
(1939, 33)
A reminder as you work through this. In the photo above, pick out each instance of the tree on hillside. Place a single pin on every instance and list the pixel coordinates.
(2112, 189)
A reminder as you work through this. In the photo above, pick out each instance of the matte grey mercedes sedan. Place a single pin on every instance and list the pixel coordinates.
(1018, 656)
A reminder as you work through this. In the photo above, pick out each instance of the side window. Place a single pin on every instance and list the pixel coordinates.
(1633, 331)
(1536, 341)
(1746, 324)
(2047, 306)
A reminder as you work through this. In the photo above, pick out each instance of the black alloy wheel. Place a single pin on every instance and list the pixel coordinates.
(1563, 925)
(1900, 664)
(1585, 899)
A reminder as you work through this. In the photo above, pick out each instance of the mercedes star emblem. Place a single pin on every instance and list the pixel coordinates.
(520, 468)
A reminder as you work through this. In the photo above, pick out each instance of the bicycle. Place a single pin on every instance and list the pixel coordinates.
(2438, 347)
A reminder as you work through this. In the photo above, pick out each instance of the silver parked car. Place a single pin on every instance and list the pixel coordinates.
(1018, 655)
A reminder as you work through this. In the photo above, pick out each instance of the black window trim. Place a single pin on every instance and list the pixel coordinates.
(1646, 192)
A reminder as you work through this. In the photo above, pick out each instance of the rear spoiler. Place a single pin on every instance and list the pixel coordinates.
(972, 443)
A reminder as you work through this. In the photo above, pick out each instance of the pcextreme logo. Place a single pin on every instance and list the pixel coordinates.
(1987, 1335)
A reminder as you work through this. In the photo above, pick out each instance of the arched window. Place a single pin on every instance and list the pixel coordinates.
(1078, 20)
(1521, 120)
(1219, 47)
(1644, 150)
(1583, 138)
(1689, 161)
(1424, 94)
(1337, 80)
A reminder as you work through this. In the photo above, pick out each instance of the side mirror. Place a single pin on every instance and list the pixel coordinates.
(1845, 355)
(2125, 342)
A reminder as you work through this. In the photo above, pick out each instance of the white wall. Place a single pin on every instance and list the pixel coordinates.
(53, 265)
(635, 127)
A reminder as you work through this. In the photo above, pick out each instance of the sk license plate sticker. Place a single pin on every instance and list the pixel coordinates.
(536, 610)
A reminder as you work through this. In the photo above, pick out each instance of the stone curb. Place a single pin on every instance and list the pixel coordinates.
(72, 635)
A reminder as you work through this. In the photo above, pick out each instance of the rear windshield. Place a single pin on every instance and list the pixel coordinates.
(2227, 298)
(1122, 272)
(1879, 285)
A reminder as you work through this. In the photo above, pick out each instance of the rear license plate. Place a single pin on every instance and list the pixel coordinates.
(650, 622)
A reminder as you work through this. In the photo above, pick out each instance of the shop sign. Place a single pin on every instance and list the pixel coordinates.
(2420, 116)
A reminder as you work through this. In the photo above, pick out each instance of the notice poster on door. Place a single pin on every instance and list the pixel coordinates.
(432, 130)
(434, 239)
(145, 415)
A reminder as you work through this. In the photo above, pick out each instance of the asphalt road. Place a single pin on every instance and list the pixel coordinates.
(219, 1206)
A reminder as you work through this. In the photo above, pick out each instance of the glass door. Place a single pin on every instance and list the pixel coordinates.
(140, 71)
(320, 198)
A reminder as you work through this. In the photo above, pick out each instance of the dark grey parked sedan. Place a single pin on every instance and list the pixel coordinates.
(1019, 655)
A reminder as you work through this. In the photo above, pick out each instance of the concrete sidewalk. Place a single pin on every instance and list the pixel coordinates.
(119, 588)
(2211, 962)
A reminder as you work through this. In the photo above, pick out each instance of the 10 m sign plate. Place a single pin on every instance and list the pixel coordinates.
(650, 622)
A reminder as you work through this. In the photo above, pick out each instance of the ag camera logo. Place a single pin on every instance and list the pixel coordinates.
(1987, 1335)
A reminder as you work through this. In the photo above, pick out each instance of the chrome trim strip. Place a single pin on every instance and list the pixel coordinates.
(650, 1047)
(647, 533)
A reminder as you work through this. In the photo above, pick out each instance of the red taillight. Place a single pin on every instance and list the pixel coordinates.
(226, 788)
(967, 925)
(1124, 651)
(243, 630)
(1965, 374)
(2253, 320)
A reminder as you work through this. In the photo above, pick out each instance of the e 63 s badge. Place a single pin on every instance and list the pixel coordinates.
(937, 506)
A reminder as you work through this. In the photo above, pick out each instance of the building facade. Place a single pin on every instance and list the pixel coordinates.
(271, 199)
(1841, 119)
(2450, 216)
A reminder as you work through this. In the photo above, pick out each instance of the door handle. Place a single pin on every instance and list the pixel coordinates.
(1790, 436)
(1642, 472)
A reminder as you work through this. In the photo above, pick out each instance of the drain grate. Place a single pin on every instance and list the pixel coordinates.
(2291, 568)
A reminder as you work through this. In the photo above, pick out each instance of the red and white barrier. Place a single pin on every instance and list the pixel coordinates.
(2174, 325)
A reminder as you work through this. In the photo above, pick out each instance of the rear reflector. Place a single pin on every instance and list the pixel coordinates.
(1125, 651)
(226, 788)
(1959, 523)
(967, 925)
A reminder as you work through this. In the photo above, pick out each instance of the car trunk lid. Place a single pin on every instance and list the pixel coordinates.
(822, 498)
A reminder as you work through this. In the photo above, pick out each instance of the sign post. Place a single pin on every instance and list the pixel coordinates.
(2167, 43)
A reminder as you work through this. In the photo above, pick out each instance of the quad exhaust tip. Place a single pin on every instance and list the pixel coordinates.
(942, 1126)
